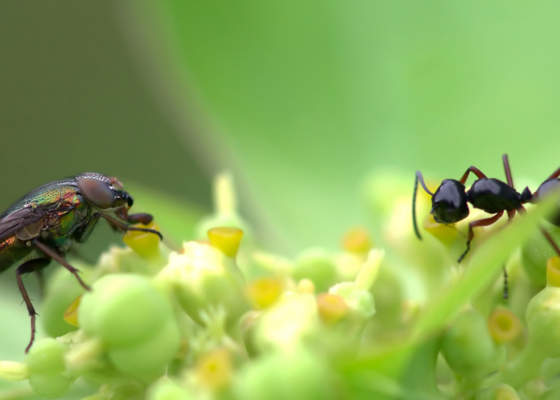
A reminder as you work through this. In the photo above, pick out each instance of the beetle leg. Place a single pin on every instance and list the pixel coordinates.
(25, 268)
(474, 224)
(475, 171)
(142, 218)
(127, 228)
(59, 259)
(41, 282)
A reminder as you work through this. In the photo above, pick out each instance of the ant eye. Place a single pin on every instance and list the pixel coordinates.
(130, 201)
(96, 192)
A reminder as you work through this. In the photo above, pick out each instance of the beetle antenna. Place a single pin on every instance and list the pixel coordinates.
(414, 222)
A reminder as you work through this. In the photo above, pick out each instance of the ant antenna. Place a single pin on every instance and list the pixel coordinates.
(506, 287)
(414, 222)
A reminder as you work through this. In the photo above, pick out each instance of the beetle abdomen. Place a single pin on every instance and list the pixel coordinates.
(12, 250)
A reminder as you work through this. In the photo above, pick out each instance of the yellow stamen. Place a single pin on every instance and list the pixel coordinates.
(503, 325)
(264, 292)
(215, 369)
(357, 240)
(145, 244)
(331, 307)
(71, 313)
(553, 271)
(226, 239)
(444, 233)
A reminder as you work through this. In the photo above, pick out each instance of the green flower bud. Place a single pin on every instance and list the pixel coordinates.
(203, 276)
(50, 386)
(318, 266)
(46, 357)
(123, 310)
(61, 290)
(293, 319)
(536, 252)
(469, 349)
(122, 260)
(498, 392)
(283, 375)
(360, 301)
(147, 360)
(543, 320)
(13, 371)
(165, 389)
(368, 272)
(348, 265)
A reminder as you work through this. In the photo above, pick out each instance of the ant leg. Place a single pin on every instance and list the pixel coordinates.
(546, 235)
(25, 268)
(550, 240)
(506, 289)
(510, 215)
(474, 224)
(414, 223)
(59, 259)
(507, 169)
(475, 171)
(554, 175)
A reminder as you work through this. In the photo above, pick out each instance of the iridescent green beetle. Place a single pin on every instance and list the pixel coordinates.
(43, 224)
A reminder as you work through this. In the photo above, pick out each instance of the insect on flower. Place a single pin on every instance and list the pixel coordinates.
(44, 223)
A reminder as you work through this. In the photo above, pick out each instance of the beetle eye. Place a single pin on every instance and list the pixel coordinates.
(98, 193)
(130, 201)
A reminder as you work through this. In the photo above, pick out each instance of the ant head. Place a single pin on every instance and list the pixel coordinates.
(449, 202)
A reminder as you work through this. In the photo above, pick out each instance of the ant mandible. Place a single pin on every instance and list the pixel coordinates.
(449, 202)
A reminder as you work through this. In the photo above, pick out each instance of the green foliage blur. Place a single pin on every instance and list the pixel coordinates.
(300, 100)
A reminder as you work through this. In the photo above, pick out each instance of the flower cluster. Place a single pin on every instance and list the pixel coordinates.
(221, 318)
(217, 317)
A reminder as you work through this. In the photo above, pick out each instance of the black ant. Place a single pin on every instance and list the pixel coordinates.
(449, 202)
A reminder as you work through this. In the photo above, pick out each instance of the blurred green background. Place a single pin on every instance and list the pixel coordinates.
(301, 100)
